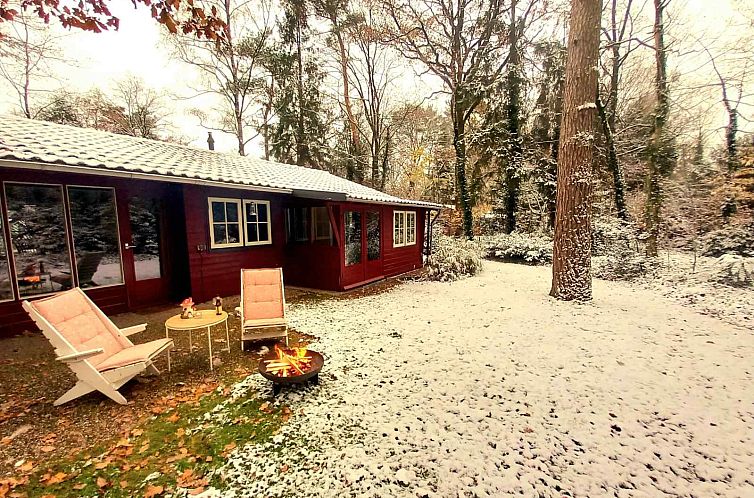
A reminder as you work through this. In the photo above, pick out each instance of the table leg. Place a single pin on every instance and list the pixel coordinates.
(209, 341)
(167, 336)
(191, 347)
(227, 336)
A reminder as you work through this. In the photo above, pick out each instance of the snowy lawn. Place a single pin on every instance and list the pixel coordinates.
(487, 386)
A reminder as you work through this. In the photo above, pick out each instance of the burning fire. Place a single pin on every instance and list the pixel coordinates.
(289, 362)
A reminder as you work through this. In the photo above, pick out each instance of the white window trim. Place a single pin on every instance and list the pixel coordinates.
(241, 222)
(404, 229)
(314, 224)
(268, 222)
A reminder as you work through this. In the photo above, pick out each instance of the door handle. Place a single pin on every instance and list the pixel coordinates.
(128, 245)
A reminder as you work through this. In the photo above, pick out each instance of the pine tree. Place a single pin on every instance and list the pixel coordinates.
(572, 252)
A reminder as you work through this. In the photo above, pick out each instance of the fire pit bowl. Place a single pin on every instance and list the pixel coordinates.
(312, 373)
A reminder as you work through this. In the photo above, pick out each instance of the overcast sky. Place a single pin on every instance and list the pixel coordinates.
(97, 60)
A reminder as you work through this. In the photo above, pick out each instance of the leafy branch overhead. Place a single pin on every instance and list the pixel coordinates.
(95, 15)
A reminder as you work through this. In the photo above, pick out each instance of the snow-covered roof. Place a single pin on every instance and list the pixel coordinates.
(87, 150)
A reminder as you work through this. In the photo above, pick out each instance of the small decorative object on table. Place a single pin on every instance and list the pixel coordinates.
(218, 305)
(188, 308)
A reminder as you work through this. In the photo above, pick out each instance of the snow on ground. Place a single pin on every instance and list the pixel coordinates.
(487, 387)
(691, 283)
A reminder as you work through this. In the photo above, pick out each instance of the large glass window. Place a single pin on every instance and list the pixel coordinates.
(257, 218)
(145, 237)
(95, 236)
(353, 237)
(404, 228)
(38, 236)
(6, 287)
(296, 224)
(224, 222)
(373, 235)
(321, 224)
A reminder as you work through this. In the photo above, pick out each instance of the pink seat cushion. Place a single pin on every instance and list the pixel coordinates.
(136, 354)
(265, 322)
(74, 317)
(262, 294)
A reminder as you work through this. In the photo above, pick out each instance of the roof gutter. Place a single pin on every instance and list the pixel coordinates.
(423, 205)
(86, 170)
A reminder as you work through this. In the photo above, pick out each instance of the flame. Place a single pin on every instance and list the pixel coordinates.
(289, 362)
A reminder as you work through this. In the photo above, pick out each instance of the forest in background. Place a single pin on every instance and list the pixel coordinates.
(331, 84)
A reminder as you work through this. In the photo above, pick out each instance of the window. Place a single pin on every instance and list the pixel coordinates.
(145, 237)
(404, 228)
(257, 222)
(353, 237)
(373, 235)
(295, 225)
(321, 224)
(95, 236)
(39, 243)
(6, 287)
(225, 223)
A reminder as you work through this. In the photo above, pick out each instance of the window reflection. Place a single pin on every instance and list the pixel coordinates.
(373, 236)
(145, 237)
(353, 237)
(95, 236)
(6, 288)
(38, 238)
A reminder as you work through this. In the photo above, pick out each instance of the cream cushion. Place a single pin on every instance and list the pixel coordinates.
(136, 354)
(263, 294)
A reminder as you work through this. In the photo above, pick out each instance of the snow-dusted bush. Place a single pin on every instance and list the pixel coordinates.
(453, 258)
(733, 270)
(735, 239)
(522, 247)
(624, 264)
(610, 235)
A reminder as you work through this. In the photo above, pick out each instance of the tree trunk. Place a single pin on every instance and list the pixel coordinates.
(302, 148)
(572, 251)
(459, 143)
(731, 154)
(612, 162)
(513, 168)
(554, 145)
(660, 148)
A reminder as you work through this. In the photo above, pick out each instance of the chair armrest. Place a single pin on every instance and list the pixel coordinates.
(133, 329)
(80, 356)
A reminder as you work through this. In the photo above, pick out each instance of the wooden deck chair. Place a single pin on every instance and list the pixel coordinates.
(98, 352)
(262, 306)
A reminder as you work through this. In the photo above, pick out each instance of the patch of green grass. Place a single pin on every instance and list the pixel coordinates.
(178, 446)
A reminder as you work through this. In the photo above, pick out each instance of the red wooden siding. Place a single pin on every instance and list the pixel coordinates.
(399, 260)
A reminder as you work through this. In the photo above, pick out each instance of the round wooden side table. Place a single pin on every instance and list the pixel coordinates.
(208, 320)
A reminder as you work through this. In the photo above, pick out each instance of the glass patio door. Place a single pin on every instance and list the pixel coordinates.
(144, 253)
(362, 240)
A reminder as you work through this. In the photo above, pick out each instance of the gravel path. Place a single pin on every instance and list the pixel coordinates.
(486, 387)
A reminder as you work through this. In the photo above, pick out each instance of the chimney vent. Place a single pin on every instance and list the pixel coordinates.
(210, 141)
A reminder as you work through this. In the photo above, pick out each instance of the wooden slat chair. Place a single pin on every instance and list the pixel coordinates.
(262, 306)
(98, 352)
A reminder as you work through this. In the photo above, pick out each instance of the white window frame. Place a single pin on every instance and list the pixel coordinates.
(315, 219)
(8, 250)
(403, 230)
(241, 222)
(245, 223)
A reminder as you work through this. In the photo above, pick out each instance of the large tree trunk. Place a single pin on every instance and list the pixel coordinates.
(572, 251)
(660, 148)
(459, 143)
(513, 168)
(731, 154)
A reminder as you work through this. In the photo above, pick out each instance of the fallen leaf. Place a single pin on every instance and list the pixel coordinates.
(79, 486)
(123, 484)
(173, 418)
(101, 465)
(137, 432)
(284, 469)
(153, 491)
(208, 459)
(101, 482)
(56, 479)
(229, 446)
(196, 491)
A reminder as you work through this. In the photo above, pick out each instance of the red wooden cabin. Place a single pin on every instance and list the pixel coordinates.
(136, 222)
